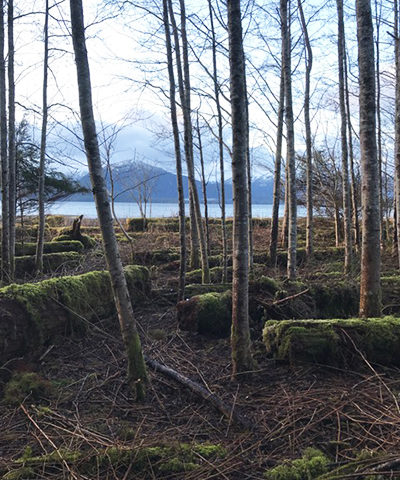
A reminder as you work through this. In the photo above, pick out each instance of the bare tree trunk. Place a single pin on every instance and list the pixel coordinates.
(353, 185)
(277, 175)
(378, 113)
(136, 366)
(178, 159)
(285, 220)
(292, 202)
(194, 236)
(370, 288)
(40, 234)
(5, 232)
(307, 123)
(11, 134)
(184, 90)
(337, 226)
(220, 147)
(343, 134)
(248, 162)
(203, 185)
(240, 338)
(397, 126)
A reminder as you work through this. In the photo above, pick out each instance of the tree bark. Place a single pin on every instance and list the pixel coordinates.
(41, 226)
(307, 123)
(11, 134)
(353, 184)
(203, 186)
(277, 175)
(292, 202)
(136, 366)
(370, 288)
(240, 337)
(5, 232)
(220, 147)
(178, 158)
(184, 91)
(397, 124)
(343, 135)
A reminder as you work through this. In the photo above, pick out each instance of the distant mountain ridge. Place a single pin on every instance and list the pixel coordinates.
(163, 185)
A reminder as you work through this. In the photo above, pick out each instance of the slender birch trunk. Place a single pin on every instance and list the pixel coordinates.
(307, 123)
(353, 184)
(285, 220)
(240, 338)
(248, 163)
(343, 135)
(41, 226)
(184, 91)
(136, 367)
(203, 186)
(277, 175)
(397, 124)
(194, 236)
(292, 202)
(378, 113)
(220, 146)
(12, 159)
(5, 232)
(370, 288)
(178, 158)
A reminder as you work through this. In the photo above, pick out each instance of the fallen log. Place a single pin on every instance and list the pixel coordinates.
(33, 315)
(226, 410)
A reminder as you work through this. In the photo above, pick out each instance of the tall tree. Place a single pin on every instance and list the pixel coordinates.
(43, 138)
(291, 166)
(12, 158)
(277, 174)
(370, 288)
(307, 123)
(178, 158)
(397, 125)
(136, 366)
(184, 92)
(240, 338)
(343, 135)
(5, 230)
(220, 144)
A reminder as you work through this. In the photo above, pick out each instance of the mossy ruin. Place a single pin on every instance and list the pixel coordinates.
(33, 314)
(26, 384)
(335, 342)
(87, 242)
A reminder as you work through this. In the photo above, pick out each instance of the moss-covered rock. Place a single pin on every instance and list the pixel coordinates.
(26, 265)
(33, 314)
(338, 342)
(312, 464)
(208, 314)
(29, 248)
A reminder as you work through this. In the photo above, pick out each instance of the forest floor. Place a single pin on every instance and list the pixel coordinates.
(87, 420)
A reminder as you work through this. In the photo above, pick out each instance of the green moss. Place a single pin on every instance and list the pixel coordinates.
(29, 248)
(201, 288)
(157, 459)
(26, 384)
(21, 473)
(214, 313)
(58, 305)
(26, 265)
(313, 464)
(333, 342)
(137, 376)
(87, 241)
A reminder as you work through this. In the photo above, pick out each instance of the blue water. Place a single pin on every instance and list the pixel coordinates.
(125, 209)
